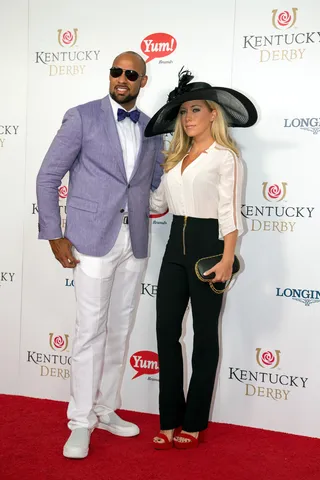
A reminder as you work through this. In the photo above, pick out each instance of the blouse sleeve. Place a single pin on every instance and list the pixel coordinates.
(158, 201)
(229, 189)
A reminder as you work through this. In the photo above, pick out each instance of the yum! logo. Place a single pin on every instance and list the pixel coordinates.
(144, 363)
(158, 45)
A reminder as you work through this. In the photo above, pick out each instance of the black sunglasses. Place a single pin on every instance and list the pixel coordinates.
(131, 75)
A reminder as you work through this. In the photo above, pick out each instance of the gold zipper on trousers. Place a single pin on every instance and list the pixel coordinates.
(183, 235)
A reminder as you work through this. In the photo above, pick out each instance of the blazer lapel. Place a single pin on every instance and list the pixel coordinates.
(112, 133)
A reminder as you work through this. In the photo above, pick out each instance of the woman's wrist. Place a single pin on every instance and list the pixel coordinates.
(228, 259)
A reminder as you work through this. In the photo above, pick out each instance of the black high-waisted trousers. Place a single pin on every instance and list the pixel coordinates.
(190, 239)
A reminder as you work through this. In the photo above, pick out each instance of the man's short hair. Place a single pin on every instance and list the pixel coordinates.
(130, 52)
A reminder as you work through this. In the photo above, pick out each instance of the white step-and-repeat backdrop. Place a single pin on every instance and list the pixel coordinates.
(55, 55)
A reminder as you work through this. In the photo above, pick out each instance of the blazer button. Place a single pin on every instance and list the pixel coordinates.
(129, 185)
(122, 210)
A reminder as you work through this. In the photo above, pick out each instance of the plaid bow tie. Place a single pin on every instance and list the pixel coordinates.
(122, 114)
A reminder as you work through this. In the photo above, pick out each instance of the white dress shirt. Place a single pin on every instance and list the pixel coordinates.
(129, 135)
(210, 187)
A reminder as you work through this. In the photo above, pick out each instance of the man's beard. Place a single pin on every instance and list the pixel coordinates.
(123, 100)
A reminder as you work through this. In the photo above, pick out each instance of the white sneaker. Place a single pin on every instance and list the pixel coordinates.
(114, 424)
(77, 445)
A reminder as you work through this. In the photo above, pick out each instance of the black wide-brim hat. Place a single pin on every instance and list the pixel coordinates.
(238, 110)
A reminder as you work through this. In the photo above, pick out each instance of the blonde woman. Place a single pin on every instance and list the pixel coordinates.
(201, 186)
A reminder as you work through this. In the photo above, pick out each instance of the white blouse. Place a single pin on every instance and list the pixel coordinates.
(210, 187)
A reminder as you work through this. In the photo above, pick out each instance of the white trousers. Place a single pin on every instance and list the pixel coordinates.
(107, 295)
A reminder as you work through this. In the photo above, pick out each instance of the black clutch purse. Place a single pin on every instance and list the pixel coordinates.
(206, 263)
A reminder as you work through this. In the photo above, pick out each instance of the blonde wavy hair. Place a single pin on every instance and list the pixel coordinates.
(181, 143)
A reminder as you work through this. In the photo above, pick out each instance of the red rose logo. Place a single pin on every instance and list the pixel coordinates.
(67, 37)
(284, 18)
(63, 191)
(267, 358)
(58, 342)
(274, 191)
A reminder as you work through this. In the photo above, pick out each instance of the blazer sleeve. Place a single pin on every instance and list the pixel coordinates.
(158, 170)
(62, 153)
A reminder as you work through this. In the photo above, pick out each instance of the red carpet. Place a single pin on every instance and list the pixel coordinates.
(34, 431)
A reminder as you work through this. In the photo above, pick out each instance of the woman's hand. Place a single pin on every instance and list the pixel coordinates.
(223, 271)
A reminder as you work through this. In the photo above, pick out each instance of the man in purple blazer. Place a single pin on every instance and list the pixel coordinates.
(112, 168)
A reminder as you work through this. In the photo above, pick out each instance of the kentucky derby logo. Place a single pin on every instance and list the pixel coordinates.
(67, 38)
(6, 132)
(289, 46)
(274, 192)
(268, 383)
(6, 278)
(63, 191)
(55, 364)
(267, 358)
(68, 61)
(277, 217)
(58, 342)
(285, 19)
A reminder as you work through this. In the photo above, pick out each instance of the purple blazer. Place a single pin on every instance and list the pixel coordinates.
(88, 146)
